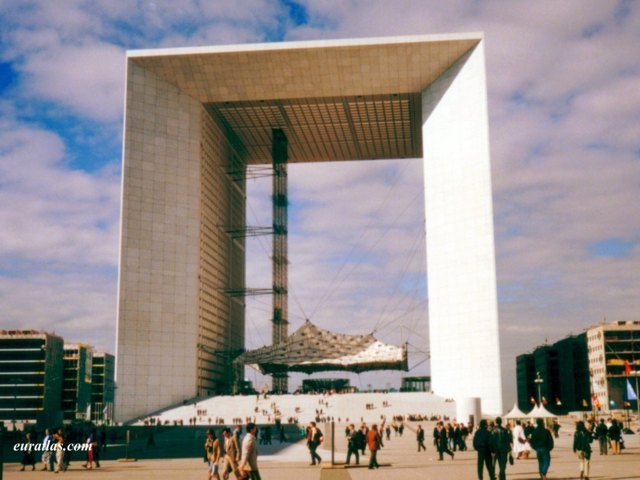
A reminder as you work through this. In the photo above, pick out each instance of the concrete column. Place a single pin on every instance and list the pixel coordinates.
(463, 310)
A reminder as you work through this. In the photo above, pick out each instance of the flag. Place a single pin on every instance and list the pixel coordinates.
(627, 367)
(631, 395)
(612, 403)
(558, 402)
(626, 404)
(584, 402)
(544, 401)
(532, 400)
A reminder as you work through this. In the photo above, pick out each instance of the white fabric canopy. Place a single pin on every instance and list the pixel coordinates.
(516, 413)
(311, 349)
(540, 412)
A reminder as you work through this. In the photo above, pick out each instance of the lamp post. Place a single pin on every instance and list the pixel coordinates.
(538, 380)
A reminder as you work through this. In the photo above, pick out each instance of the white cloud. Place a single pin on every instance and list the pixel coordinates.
(50, 212)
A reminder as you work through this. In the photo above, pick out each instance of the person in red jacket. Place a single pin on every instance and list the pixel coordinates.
(374, 441)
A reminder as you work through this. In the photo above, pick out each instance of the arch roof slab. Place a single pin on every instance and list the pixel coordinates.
(336, 100)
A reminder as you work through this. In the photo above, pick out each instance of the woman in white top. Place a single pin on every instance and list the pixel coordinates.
(520, 446)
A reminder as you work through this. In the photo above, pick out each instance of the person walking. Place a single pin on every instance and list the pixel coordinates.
(363, 446)
(420, 438)
(482, 444)
(91, 442)
(614, 434)
(519, 440)
(212, 453)
(314, 438)
(46, 449)
(249, 458)
(542, 442)
(602, 432)
(354, 439)
(441, 441)
(58, 440)
(582, 447)
(374, 441)
(29, 457)
(231, 454)
(501, 445)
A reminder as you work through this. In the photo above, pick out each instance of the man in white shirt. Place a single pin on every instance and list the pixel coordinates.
(249, 459)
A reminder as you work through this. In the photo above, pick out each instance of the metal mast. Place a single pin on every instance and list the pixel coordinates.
(280, 251)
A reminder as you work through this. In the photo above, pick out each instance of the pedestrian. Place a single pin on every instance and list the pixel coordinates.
(365, 431)
(582, 447)
(482, 444)
(614, 434)
(374, 441)
(92, 443)
(556, 428)
(519, 440)
(501, 445)
(95, 447)
(212, 454)
(542, 442)
(387, 430)
(314, 438)
(58, 440)
(602, 432)
(354, 441)
(231, 454)
(441, 441)
(420, 438)
(29, 457)
(46, 449)
(248, 466)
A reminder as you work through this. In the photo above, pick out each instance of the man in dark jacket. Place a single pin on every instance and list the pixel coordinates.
(582, 447)
(501, 444)
(482, 444)
(420, 438)
(355, 439)
(601, 435)
(542, 442)
(314, 438)
(614, 435)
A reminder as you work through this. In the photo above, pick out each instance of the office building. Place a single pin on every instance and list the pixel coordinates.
(76, 386)
(102, 387)
(614, 363)
(30, 376)
(555, 375)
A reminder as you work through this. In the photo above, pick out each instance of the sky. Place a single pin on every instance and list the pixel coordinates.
(564, 106)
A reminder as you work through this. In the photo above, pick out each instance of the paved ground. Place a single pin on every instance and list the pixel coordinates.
(292, 463)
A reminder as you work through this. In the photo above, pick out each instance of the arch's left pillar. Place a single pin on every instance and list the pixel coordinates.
(176, 327)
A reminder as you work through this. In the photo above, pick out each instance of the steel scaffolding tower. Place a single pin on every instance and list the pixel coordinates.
(280, 251)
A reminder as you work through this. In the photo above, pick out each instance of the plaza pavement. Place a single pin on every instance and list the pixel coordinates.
(400, 452)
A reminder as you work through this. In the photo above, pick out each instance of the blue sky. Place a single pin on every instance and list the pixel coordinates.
(564, 120)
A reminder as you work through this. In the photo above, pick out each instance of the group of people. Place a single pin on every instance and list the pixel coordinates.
(231, 454)
(55, 457)
(359, 439)
(496, 445)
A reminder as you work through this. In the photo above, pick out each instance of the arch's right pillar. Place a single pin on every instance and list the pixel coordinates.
(463, 309)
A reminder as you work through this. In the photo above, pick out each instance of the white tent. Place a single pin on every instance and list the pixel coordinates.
(516, 413)
(540, 412)
(312, 349)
